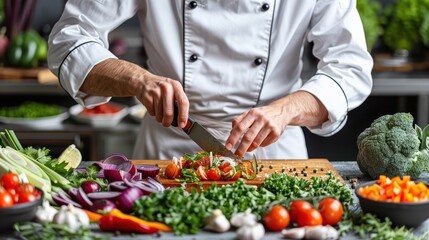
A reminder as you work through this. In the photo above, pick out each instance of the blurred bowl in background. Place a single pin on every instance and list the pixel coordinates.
(105, 115)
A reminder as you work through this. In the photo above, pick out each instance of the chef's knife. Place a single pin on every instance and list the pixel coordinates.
(202, 137)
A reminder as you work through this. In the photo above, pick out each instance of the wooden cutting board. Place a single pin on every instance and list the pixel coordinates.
(300, 168)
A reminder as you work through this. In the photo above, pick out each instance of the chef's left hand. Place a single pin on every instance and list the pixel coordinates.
(262, 126)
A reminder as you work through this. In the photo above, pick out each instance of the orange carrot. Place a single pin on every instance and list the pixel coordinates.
(396, 189)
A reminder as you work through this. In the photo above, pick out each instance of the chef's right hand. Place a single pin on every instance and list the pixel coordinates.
(158, 95)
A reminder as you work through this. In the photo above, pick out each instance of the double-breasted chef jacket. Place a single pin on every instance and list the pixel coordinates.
(229, 55)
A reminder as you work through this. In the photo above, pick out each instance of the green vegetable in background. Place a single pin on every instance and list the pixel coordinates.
(1, 12)
(30, 110)
(26, 50)
(369, 11)
(404, 24)
(393, 147)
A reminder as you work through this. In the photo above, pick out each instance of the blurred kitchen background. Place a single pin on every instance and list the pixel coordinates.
(398, 42)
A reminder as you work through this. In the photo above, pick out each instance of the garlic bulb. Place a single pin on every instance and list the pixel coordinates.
(72, 217)
(45, 213)
(217, 222)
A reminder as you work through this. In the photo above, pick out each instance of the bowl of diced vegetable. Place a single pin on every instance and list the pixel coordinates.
(403, 201)
(18, 202)
(104, 115)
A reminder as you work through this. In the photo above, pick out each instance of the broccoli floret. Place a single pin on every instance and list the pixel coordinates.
(391, 146)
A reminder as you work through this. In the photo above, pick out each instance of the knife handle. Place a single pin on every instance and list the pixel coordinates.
(175, 124)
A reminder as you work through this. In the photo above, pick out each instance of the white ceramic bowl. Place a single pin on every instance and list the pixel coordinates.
(99, 120)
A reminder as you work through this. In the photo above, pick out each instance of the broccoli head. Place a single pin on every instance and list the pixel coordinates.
(391, 146)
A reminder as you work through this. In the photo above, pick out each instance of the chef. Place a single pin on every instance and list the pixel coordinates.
(232, 65)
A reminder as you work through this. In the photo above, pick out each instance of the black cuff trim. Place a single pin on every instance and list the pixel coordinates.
(59, 69)
(345, 96)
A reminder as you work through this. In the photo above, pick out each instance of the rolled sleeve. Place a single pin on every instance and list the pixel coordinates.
(343, 80)
(76, 66)
(332, 96)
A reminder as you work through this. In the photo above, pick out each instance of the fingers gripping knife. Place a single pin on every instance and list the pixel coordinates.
(202, 137)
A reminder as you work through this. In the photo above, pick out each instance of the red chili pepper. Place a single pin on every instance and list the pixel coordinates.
(112, 223)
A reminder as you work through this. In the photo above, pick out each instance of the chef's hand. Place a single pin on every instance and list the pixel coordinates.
(158, 94)
(262, 126)
(120, 78)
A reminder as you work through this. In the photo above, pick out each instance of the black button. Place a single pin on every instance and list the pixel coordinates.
(193, 4)
(265, 7)
(193, 57)
(258, 61)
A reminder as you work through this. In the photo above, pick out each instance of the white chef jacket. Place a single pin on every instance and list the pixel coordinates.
(229, 55)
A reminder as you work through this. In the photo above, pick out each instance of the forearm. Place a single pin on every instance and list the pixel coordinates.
(114, 77)
(301, 108)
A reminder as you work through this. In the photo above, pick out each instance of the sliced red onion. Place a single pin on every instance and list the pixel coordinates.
(73, 193)
(137, 177)
(124, 202)
(115, 159)
(117, 186)
(148, 170)
(103, 206)
(90, 186)
(126, 167)
(102, 165)
(128, 183)
(113, 175)
(156, 184)
(59, 200)
(146, 187)
(83, 199)
(94, 196)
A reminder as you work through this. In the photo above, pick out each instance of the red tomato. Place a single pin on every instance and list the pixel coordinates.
(25, 187)
(14, 194)
(10, 180)
(201, 171)
(309, 217)
(213, 174)
(225, 167)
(204, 161)
(6, 199)
(277, 219)
(172, 171)
(236, 176)
(24, 197)
(296, 207)
(331, 210)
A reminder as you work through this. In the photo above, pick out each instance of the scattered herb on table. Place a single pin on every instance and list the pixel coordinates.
(48, 231)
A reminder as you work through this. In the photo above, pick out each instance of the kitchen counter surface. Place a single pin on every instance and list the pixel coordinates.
(347, 170)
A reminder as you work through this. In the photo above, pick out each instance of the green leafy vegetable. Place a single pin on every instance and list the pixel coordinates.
(404, 22)
(30, 110)
(369, 11)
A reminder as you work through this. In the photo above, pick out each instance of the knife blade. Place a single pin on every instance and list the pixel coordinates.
(203, 137)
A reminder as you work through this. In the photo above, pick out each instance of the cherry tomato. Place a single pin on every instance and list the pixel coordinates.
(236, 176)
(24, 197)
(331, 210)
(201, 171)
(277, 219)
(13, 193)
(309, 217)
(213, 174)
(172, 171)
(204, 161)
(25, 187)
(10, 180)
(6, 199)
(296, 207)
(225, 167)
